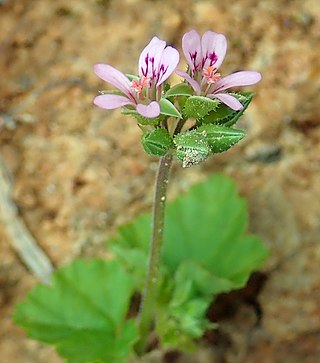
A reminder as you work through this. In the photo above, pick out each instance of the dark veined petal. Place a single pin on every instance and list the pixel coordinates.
(168, 63)
(191, 46)
(150, 57)
(212, 42)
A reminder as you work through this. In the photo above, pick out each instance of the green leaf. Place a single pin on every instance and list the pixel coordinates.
(168, 109)
(206, 251)
(208, 226)
(83, 313)
(227, 116)
(181, 89)
(140, 119)
(130, 246)
(213, 220)
(199, 106)
(220, 138)
(191, 148)
(157, 142)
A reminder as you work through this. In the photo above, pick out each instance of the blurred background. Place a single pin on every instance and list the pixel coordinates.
(76, 172)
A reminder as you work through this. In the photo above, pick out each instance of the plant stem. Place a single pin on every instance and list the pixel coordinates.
(152, 280)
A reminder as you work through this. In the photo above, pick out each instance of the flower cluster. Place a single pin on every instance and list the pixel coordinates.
(202, 97)
(204, 56)
(156, 64)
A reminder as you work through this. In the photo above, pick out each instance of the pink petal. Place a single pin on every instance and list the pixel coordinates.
(214, 42)
(227, 99)
(153, 50)
(113, 76)
(191, 45)
(193, 83)
(169, 61)
(244, 78)
(109, 102)
(149, 111)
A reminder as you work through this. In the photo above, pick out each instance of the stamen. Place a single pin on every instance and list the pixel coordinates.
(210, 75)
(142, 82)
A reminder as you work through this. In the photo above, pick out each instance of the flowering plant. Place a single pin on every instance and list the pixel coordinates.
(88, 311)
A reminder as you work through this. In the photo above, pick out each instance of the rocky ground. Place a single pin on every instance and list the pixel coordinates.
(78, 172)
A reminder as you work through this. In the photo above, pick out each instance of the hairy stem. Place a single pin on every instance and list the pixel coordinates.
(152, 280)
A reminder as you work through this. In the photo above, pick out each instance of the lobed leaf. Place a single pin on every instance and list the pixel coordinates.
(206, 251)
(201, 226)
(83, 313)
(212, 219)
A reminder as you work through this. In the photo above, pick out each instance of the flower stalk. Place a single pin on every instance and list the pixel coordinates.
(152, 279)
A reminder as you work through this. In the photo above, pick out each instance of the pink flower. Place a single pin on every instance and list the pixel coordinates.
(204, 56)
(156, 63)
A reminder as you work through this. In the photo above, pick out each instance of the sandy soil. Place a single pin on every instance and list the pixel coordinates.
(78, 172)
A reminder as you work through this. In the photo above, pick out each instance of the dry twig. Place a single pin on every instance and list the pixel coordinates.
(18, 234)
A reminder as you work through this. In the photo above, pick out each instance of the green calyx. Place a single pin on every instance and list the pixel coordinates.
(157, 142)
(220, 138)
(191, 148)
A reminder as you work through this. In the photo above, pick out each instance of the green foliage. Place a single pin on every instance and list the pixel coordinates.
(191, 148)
(167, 108)
(199, 106)
(225, 115)
(83, 313)
(220, 138)
(206, 251)
(181, 89)
(157, 142)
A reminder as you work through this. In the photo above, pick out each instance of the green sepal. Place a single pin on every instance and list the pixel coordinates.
(167, 108)
(225, 115)
(220, 138)
(142, 120)
(191, 148)
(132, 77)
(157, 142)
(199, 106)
(181, 89)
